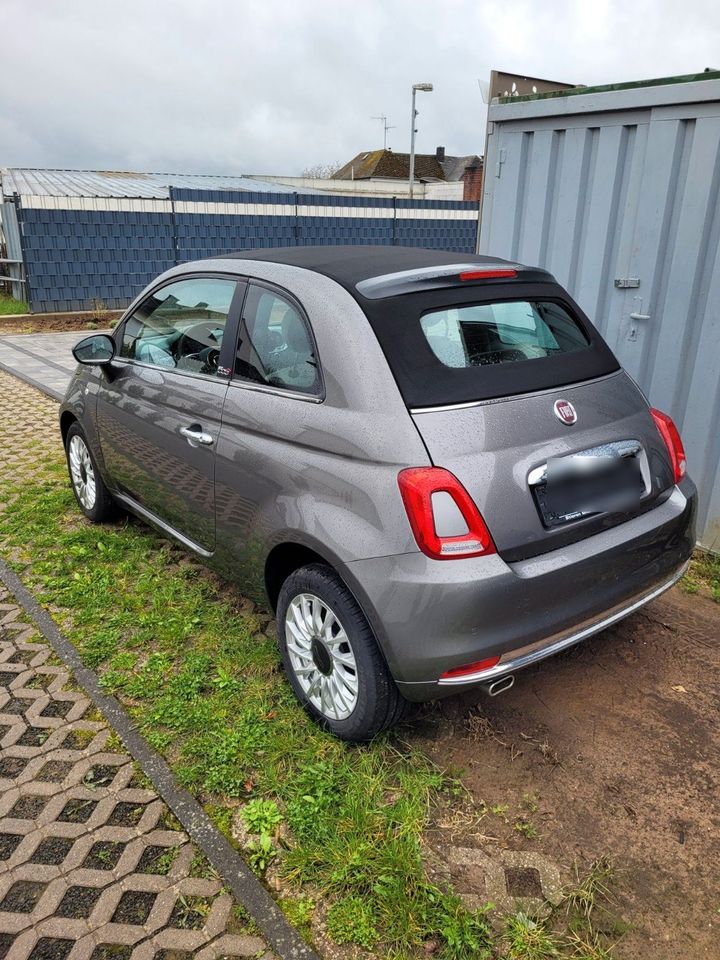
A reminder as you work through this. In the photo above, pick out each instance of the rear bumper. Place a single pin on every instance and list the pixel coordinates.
(515, 660)
(431, 615)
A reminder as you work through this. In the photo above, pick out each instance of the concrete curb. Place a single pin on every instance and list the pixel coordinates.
(243, 883)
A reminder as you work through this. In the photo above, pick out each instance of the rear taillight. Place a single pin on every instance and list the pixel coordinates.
(417, 486)
(669, 433)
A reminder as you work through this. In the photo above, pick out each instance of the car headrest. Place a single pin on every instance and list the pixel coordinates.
(294, 332)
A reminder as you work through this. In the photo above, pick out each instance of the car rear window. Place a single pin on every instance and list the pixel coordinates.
(486, 340)
(505, 332)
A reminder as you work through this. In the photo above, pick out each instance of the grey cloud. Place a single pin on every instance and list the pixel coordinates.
(272, 87)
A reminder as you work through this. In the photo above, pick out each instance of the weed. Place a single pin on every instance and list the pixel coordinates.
(467, 934)
(588, 947)
(526, 829)
(261, 816)
(300, 913)
(201, 867)
(261, 853)
(241, 921)
(351, 920)
(593, 886)
(500, 810)
(114, 744)
(529, 939)
(170, 821)
(703, 575)
(221, 816)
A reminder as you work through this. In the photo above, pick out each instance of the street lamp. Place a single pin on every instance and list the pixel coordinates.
(425, 88)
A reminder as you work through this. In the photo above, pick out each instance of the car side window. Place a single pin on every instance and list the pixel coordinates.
(180, 326)
(275, 346)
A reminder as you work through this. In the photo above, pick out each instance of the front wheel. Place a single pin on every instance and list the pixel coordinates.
(90, 491)
(332, 658)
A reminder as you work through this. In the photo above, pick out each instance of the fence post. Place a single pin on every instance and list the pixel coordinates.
(21, 234)
(176, 248)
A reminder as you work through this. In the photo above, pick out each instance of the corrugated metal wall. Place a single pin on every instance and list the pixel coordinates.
(11, 235)
(81, 249)
(624, 186)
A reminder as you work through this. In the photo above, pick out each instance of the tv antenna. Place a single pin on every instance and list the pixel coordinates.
(386, 126)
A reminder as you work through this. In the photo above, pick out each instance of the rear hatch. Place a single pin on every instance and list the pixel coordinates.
(513, 390)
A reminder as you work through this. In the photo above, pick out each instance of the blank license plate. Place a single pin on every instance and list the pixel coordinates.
(588, 484)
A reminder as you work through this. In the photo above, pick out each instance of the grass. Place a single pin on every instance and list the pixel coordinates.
(202, 680)
(704, 575)
(10, 306)
(582, 926)
(340, 825)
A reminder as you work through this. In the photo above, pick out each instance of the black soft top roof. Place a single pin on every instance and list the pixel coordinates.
(351, 265)
(381, 280)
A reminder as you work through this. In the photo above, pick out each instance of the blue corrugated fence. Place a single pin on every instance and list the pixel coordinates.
(76, 257)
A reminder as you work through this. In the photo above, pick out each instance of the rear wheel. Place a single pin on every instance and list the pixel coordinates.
(90, 491)
(331, 656)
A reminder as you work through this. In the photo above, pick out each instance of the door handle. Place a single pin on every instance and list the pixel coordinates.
(195, 435)
(640, 316)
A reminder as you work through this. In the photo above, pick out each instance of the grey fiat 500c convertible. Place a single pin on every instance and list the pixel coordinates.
(431, 464)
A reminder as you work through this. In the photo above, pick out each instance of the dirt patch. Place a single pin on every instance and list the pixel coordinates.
(156, 860)
(190, 913)
(112, 951)
(50, 323)
(134, 907)
(11, 767)
(22, 897)
(51, 948)
(9, 843)
(78, 903)
(77, 811)
(126, 814)
(52, 850)
(610, 749)
(54, 771)
(33, 737)
(104, 855)
(28, 808)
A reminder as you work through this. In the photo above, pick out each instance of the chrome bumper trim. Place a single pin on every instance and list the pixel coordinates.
(515, 660)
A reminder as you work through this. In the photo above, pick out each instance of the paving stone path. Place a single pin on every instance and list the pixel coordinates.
(92, 863)
(42, 359)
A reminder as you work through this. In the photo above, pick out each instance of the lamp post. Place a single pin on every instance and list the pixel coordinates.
(425, 88)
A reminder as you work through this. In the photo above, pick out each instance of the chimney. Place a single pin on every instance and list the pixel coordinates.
(440, 154)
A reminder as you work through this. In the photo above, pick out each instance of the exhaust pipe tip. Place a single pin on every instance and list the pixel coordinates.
(500, 685)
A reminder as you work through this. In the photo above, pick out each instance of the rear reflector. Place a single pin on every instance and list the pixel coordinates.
(669, 433)
(487, 274)
(417, 486)
(470, 668)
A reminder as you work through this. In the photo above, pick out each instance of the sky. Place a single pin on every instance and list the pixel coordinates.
(276, 86)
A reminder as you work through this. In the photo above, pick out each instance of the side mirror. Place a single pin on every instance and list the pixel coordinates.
(96, 351)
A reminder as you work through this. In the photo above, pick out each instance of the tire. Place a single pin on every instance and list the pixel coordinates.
(343, 684)
(90, 491)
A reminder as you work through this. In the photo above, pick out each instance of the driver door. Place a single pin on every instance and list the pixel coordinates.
(159, 410)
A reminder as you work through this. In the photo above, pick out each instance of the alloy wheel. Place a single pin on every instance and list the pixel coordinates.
(321, 656)
(82, 472)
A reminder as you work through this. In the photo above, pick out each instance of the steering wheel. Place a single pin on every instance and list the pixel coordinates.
(199, 334)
